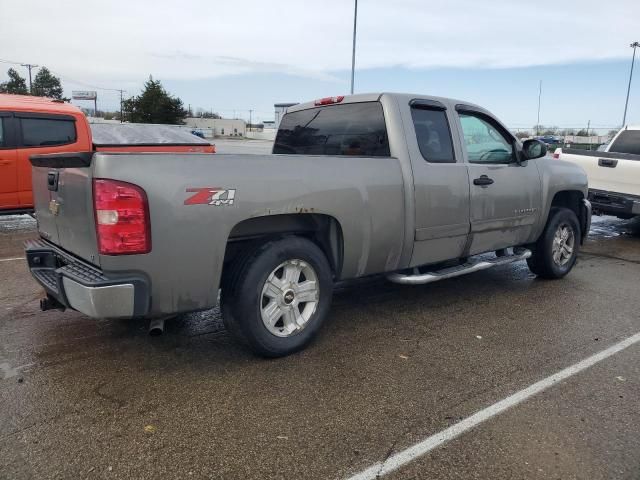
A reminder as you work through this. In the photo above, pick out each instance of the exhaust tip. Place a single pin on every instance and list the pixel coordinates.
(156, 327)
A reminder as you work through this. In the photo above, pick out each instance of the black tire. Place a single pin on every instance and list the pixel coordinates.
(242, 299)
(542, 261)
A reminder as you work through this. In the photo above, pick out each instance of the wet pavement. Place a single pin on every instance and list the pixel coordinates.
(101, 399)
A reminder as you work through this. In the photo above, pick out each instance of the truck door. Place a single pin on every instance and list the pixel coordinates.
(441, 184)
(505, 196)
(8, 164)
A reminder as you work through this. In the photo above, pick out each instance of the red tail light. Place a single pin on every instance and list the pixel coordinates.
(122, 218)
(329, 100)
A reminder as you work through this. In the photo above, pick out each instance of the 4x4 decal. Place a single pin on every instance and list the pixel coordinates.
(211, 196)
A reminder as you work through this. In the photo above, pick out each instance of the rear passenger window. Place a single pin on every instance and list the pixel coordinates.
(40, 132)
(1, 132)
(433, 135)
(627, 142)
(356, 129)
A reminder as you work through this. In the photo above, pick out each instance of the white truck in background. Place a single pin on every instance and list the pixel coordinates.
(614, 174)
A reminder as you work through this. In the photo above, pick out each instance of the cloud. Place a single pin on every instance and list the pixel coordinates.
(121, 42)
(219, 65)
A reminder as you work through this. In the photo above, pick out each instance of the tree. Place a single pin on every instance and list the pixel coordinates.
(538, 129)
(582, 133)
(202, 113)
(16, 84)
(47, 85)
(154, 105)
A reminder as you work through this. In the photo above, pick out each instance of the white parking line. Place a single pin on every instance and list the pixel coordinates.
(425, 446)
(11, 259)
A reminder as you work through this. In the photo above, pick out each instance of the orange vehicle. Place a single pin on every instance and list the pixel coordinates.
(36, 125)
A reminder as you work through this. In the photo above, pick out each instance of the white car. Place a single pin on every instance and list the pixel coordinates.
(614, 174)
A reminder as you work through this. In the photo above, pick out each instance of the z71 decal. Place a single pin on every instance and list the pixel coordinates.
(211, 196)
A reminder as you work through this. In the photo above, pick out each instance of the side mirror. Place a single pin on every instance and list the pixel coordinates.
(533, 149)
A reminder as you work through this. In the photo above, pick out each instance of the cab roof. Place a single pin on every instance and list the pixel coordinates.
(36, 104)
(374, 97)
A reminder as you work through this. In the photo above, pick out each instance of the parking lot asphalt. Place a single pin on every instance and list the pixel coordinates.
(394, 365)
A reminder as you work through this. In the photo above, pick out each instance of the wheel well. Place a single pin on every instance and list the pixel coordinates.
(572, 199)
(569, 199)
(324, 230)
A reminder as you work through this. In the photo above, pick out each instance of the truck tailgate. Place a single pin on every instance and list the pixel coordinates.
(62, 187)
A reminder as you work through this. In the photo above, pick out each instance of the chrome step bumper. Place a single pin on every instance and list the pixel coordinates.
(465, 268)
(72, 283)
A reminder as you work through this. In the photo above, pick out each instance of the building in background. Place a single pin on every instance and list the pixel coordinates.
(221, 127)
(281, 109)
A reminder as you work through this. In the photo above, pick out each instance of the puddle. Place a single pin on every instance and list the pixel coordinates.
(611, 227)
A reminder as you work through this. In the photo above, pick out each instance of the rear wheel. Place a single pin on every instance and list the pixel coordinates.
(278, 296)
(556, 251)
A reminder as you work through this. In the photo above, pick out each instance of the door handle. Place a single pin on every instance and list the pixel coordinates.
(606, 162)
(483, 181)
(5, 162)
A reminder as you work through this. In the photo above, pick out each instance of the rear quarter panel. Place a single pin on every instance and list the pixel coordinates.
(365, 195)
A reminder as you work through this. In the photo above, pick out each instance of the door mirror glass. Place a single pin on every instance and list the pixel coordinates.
(533, 149)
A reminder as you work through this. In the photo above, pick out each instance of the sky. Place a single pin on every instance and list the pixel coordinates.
(235, 56)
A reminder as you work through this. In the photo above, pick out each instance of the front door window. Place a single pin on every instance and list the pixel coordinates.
(484, 141)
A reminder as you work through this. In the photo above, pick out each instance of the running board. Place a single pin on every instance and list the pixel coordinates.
(451, 272)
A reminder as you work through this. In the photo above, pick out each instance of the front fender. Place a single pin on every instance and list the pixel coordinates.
(558, 176)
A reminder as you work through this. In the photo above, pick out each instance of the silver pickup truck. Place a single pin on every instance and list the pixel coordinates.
(415, 187)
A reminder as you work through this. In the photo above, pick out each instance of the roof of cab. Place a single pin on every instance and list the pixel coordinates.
(374, 97)
(35, 104)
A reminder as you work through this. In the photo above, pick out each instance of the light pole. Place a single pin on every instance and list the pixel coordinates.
(539, 98)
(353, 52)
(634, 45)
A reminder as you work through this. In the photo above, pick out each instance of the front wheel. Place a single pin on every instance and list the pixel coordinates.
(556, 251)
(278, 297)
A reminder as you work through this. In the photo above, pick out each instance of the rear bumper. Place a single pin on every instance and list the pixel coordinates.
(613, 203)
(84, 287)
